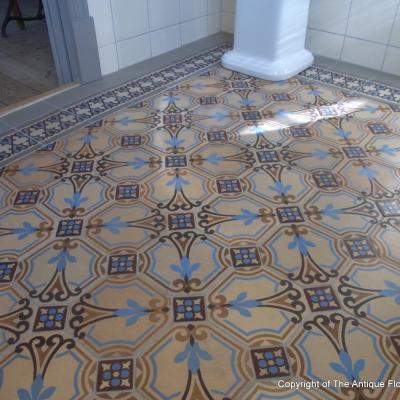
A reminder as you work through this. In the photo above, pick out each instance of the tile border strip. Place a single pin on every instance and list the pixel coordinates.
(92, 108)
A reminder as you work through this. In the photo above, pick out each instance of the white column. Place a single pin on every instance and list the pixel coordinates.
(270, 38)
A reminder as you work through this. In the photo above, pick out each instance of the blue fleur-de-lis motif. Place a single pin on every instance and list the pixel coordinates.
(171, 99)
(330, 211)
(343, 134)
(178, 183)
(301, 244)
(282, 113)
(392, 291)
(315, 92)
(175, 142)
(280, 188)
(115, 225)
(257, 130)
(193, 354)
(386, 149)
(219, 116)
(61, 259)
(125, 121)
(320, 154)
(28, 169)
(76, 200)
(133, 313)
(37, 391)
(24, 231)
(246, 102)
(246, 216)
(347, 368)
(214, 159)
(88, 138)
(199, 85)
(185, 269)
(137, 163)
(242, 305)
(368, 172)
(369, 109)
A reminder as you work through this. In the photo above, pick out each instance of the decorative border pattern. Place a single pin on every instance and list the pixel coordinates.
(32, 136)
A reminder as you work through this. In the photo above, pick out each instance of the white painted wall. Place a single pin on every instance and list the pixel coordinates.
(361, 32)
(130, 31)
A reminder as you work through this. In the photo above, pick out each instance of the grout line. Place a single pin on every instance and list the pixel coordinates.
(114, 34)
(346, 30)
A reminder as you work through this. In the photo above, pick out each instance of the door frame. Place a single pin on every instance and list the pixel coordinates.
(73, 40)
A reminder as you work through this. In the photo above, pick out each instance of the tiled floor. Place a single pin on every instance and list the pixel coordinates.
(205, 243)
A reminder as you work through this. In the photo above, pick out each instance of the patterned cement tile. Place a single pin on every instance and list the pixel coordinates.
(206, 243)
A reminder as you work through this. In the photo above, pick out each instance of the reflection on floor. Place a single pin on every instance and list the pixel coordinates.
(205, 244)
(26, 62)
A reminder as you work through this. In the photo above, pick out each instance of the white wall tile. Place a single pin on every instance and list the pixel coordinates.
(100, 10)
(395, 37)
(228, 22)
(194, 30)
(392, 61)
(324, 43)
(363, 53)
(214, 6)
(228, 5)
(328, 15)
(213, 23)
(165, 40)
(133, 50)
(191, 9)
(108, 59)
(372, 19)
(163, 13)
(130, 18)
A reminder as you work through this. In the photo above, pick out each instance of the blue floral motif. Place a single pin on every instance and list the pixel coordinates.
(61, 259)
(199, 85)
(76, 200)
(137, 163)
(392, 291)
(174, 141)
(185, 269)
(178, 183)
(386, 149)
(369, 173)
(320, 154)
(315, 92)
(171, 99)
(246, 102)
(257, 130)
(37, 392)
(246, 216)
(115, 225)
(193, 353)
(88, 138)
(125, 121)
(280, 188)
(302, 244)
(28, 169)
(242, 305)
(133, 313)
(343, 134)
(218, 116)
(282, 113)
(26, 230)
(330, 211)
(347, 368)
(214, 159)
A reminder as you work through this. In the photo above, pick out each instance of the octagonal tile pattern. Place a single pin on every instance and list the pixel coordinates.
(209, 242)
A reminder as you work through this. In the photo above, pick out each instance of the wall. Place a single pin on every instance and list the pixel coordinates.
(361, 32)
(130, 31)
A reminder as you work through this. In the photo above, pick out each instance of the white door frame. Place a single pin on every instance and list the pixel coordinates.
(73, 40)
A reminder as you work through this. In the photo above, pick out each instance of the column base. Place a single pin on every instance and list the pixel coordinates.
(277, 70)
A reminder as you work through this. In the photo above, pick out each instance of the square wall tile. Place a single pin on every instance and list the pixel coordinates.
(228, 22)
(191, 9)
(371, 19)
(328, 15)
(363, 53)
(100, 10)
(392, 61)
(134, 50)
(213, 24)
(324, 43)
(130, 18)
(163, 13)
(214, 6)
(194, 30)
(108, 59)
(165, 40)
